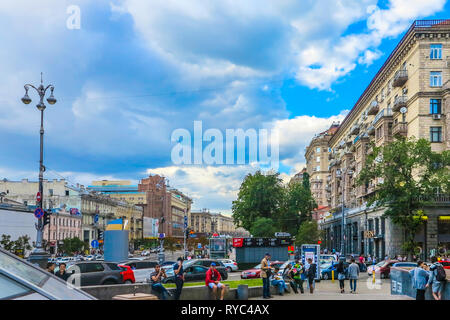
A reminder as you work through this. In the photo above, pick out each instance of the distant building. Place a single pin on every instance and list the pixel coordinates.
(207, 222)
(122, 190)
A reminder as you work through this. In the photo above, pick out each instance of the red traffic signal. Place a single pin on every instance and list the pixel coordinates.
(319, 242)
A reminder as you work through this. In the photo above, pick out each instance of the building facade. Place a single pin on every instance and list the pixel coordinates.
(122, 190)
(316, 156)
(207, 222)
(168, 205)
(408, 96)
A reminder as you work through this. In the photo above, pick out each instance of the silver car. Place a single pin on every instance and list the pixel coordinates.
(230, 265)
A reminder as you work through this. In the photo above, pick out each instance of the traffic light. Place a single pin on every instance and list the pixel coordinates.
(319, 242)
(188, 231)
(46, 217)
(100, 235)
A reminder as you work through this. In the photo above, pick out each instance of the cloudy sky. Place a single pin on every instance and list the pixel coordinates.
(137, 70)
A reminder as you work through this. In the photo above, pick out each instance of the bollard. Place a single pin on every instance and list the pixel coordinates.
(332, 276)
(373, 276)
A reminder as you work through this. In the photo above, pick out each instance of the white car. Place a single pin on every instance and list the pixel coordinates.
(230, 265)
(145, 253)
(90, 257)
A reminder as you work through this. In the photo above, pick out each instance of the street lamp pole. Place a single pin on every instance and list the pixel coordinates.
(38, 255)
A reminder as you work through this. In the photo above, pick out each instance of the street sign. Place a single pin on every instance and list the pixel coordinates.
(185, 219)
(96, 218)
(94, 244)
(161, 235)
(38, 197)
(282, 235)
(185, 225)
(38, 213)
(199, 245)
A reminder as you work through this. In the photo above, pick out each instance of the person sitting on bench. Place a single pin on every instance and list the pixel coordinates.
(212, 281)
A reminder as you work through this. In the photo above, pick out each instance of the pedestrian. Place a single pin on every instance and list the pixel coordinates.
(277, 281)
(419, 278)
(62, 274)
(386, 257)
(51, 267)
(353, 274)
(369, 259)
(437, 278)
(212, 281)
(298, 272)
(288, 277)
(311, 274)
(361, 263)
(265, 274)
(155, 278)
(179, 277)
(340, 269)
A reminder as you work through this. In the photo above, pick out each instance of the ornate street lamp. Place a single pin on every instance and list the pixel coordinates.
(38, 255)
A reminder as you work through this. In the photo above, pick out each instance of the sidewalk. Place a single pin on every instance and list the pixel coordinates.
(327, 290)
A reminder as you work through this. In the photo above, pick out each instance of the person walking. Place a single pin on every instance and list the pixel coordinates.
(419, 278)
(298, 272)
(288, 277)
(179, 277)
(311, 274)
(265, 274)
(362, 263)
(437, 278)
(340, 269)
(155, 278)
(212, 281)
(353, 274)
(62, 274)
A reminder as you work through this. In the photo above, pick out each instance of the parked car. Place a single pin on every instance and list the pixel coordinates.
(207, 263)
(90, 257)
(327, 268)
(127, 274)
(445, 264)
(256, 270)
(405, 264)
(371, 267)
(382, 268)
(195, 273)
(141, 269)
(327, 258)
(145, 253)
(230, 265)
(93, 273)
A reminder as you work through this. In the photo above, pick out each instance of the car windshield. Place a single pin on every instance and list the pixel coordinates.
(257, 267)
(325, 266)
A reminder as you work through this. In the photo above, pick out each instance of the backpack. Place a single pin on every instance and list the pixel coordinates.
(440, 273)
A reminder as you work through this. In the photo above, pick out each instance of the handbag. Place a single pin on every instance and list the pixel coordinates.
(341, 276)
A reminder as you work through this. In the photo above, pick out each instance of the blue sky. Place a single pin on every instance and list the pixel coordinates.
(137, 70)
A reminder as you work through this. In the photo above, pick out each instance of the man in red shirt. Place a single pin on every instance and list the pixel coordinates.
(212, 281)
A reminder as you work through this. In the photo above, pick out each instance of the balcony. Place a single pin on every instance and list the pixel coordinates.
(400, 77)
(354, 129)
(383, 113)
(373, 108)
(371, 131)
(400, 128)
(399, 102)
(331, 156)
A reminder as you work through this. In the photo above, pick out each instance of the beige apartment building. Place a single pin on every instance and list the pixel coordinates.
(317, 164)
(408, 96)
(208, 222)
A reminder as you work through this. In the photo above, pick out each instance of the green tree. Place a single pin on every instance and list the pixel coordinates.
(170, 244)
(263, 227)
(71, 245)
(409, 174)
(6, 242)
(260, 195)
(21, 245)
(308, 233)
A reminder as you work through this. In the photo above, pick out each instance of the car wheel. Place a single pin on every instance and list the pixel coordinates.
(382, 275)
(128, 282)
(325, 276)
(229, 269)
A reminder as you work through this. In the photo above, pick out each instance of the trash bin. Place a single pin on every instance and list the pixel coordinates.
(242, 292)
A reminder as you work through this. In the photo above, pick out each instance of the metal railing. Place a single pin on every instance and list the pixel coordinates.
(383, 113)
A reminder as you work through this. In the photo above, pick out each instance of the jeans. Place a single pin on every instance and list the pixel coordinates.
(159, 288)
(353, 284)
(420, 294)
(280, 284)
(342, 284)
(179, 283)
(266, 287)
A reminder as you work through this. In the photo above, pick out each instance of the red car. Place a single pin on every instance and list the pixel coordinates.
(385, 269)
(255, 271)
(127, 274)
(445, 264)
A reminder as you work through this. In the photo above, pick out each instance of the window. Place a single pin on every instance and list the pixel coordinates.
(436, 51)
(318, 168)
(435, 78)
(435, 106)
(435, 134)
(318, 159)
(318, 149)
(92, 267)
(67, 192)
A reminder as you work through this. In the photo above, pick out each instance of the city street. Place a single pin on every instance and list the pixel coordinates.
(327, 290)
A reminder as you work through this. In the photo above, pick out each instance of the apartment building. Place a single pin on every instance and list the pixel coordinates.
(207, 222)
(407, 96)
(122, 190)
(316, 156)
